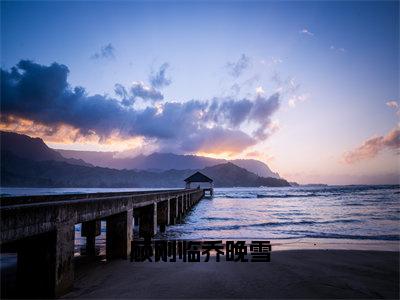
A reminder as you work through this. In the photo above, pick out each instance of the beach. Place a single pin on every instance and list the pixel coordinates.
(289, 274)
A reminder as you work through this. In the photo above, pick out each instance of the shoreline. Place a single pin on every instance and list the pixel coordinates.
(337, 244)
(290, 274)
(296, 244)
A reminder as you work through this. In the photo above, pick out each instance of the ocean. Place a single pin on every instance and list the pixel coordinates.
(355, 213)
(340, 212)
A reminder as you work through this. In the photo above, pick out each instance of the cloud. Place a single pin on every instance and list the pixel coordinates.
(393, 104)
(236, 69)
(271, 61)
(306, 32)
(141, 90)
(287, 86)
(235, 111)
(218, 140)
(260, 90)
(261, 112)
(295, 99)
(373, 146)
(235, 88)
(41, 95)
(250, 82)
(257, 111)
(121, 91)
(106, 52)
(333, 48)
(290, 89)
(138, 90)
(159, 79)
(254, 154)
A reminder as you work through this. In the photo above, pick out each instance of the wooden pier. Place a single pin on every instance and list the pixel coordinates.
(41, 229)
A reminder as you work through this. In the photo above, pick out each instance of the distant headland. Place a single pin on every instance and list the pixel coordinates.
(29, 162)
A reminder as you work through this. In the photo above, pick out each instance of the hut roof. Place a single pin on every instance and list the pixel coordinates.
(198, 177)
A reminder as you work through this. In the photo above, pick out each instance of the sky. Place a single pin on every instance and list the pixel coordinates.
(310, 88)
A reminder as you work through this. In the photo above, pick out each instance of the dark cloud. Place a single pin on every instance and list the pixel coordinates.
(120, 90)
(263, 108)
(159, 78)
(139, 89)
(218, 140)
(126, 98)
(42, 94)
(237, 68)
(106, 51)
(235, 112)
(175, 120)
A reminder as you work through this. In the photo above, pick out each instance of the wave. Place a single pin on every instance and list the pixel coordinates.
(313, 194)
(321, 235)
(253, 196)
(218, 219)
(275, 224)
(387, 237)
(353, 204)
(288, 195)
(256, 195)
(235, 196)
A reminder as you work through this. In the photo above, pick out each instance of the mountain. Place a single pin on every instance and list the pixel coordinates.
(35, 149)
(29, 162)
(96, 158)
(256, 167)
(230, 175)
(168, 161)
(23, 172)
(164, 161)
(155, 161)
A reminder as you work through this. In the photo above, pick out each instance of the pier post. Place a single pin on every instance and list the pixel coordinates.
(119, 235)
(64, 265)
(136, 217)
(90, 230)
(148, 221)
(163, 214)
(173, 210)
(180, 208)
(45, 263)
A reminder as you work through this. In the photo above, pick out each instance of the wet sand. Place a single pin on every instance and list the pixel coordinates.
(290, 274)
